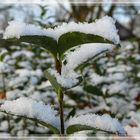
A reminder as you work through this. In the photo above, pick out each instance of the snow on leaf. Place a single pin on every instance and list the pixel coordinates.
(31, 109)
(16, 29)
(104, 27)
(63, 37)
(94, 122)
(66, 81)
(84, 53)
(107, 31)
(29, 33)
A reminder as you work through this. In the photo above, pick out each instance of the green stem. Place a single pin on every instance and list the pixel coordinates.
(61, 112)
(58, 66)
(60, 100)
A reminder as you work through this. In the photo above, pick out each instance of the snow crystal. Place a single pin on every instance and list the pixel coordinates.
(84, 53)
(104, 27)
(32, 109)
(66, 81)
(104, 122)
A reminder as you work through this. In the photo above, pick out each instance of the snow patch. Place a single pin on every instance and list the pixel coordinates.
(32, 109)
(17, 29)
(84, 53)
(66, 81)
(104, 122)
(4, 67)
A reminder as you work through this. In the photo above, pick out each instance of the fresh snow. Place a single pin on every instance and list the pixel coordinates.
(104, 27)
(28, 73)
(17, 29)
(97, 79)
(117, 87)
(104, 122)
(12, 95)
(16, 82)
(4, 67)
(20, 53)
(84, 53)
(66, 81)
(28, 107)
(134, 131)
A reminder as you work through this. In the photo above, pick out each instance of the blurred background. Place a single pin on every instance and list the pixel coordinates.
(111, 84)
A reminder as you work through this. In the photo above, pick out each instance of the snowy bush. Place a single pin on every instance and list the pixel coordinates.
(72, 46)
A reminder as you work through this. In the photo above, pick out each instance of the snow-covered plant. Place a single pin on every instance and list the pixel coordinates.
(71, 45)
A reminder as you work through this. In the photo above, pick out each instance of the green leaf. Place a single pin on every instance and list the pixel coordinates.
(94, 90)
(53, 81)
(51, 127)
(78, 127)
(44, 42)
(2, 56)
(71, 114)
(8, 42)
(72, 39)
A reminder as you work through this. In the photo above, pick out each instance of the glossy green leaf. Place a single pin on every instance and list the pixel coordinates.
(94, 90)
(53, 81)
(72, 39)
(71, 113)
(78, 127)
(44, 42)
(50, 126)
(8, 42)
(2, 56)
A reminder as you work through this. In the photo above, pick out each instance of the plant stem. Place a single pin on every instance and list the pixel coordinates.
(60, 99)
(61, 113)
(58, 66)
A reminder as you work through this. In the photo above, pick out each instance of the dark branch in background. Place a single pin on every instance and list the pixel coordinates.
(5, 8)
(98, 15)
(77, 12)
(124, 32)
(111, 10)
